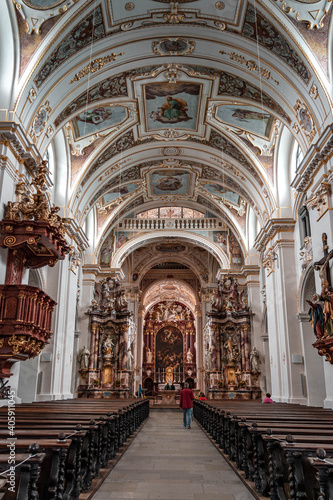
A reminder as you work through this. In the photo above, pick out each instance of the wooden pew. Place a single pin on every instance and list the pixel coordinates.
(22, 484)
(252, 435)
(92, 432)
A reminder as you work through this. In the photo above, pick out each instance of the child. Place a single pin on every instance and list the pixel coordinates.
(268, 398)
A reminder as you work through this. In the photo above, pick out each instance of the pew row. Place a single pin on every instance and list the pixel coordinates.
(272, 445)
(75, 438)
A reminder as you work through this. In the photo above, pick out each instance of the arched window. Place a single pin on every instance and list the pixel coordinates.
(304, 223)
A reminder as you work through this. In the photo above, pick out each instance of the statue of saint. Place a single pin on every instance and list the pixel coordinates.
(149, 356)
(189, 356)
(130, 358)
(316, 316)
(83, 358)
(254, 360)
(107, 346)
(229, 347)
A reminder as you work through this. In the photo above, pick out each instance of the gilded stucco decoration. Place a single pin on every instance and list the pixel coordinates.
(322, 152)
(251, 65)
(269, 262)
(169, 289)
(305, 120)
(36, 14)
(321, 198)
(40, 120)
(174, 14)
(32, 95)
(313, 92)
(306, 252)
(89, 30)
(256, 26)
(95, 65)
(310, 12)
(117, 197)
(173, 47)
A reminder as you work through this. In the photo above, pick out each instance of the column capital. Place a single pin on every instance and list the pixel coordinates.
(303, 317)
(271, 229)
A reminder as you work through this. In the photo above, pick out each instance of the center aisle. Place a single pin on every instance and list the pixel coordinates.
(169, 462)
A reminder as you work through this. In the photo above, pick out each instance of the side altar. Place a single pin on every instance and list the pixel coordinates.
(232, 365)
(106, 369)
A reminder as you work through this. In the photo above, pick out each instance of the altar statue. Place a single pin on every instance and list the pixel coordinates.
(149, 355)
(107, 346)
(189, 356)
(229, 347)
(83, 358)
(254, 360)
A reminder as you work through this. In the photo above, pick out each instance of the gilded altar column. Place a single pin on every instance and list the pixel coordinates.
(123, 340)
(94, 330)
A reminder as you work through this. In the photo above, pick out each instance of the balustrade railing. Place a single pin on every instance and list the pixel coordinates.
(160, 224)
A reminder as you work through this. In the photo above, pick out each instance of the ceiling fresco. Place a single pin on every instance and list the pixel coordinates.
(249, 118)
(98, 120)
(172, 105)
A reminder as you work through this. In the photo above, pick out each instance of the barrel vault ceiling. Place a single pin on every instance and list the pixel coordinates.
(154, 103)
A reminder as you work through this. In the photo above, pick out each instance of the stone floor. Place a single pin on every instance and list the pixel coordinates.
(166, 461)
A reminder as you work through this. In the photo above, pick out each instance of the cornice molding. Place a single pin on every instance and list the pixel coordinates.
(13, 136)
(319, 154)
(271, 228)
(244, 272)
(103, 272)
(76, 232)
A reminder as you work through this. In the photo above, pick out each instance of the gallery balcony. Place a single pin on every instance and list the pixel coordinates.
(136, 224)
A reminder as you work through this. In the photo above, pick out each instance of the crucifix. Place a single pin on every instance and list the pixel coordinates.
(322, 265)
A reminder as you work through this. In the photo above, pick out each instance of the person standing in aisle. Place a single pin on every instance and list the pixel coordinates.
(186, 403)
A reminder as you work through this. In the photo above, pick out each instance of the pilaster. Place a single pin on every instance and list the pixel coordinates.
(313, 364)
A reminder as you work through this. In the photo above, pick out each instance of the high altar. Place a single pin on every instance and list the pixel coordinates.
(169, 346)
(232, 367)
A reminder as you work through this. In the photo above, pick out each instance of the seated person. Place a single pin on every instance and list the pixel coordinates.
(173, 388)
(202, 397)
(167, 387)
(268, 398)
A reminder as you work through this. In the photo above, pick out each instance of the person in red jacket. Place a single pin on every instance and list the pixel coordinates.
(268, 399)
(186, 403)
